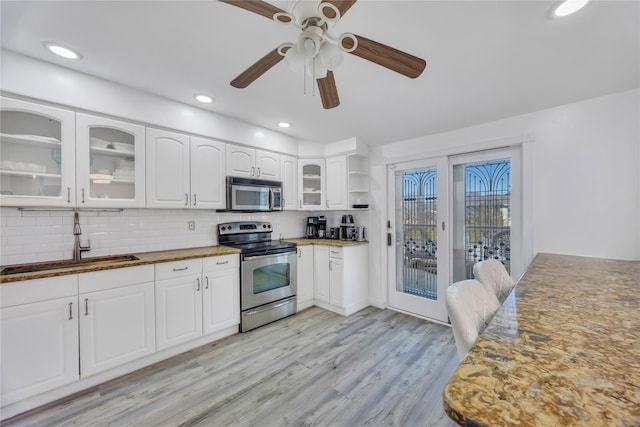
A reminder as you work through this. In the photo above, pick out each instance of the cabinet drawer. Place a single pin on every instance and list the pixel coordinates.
(169, 270)
(118, 277)
(36, 290)
(335, 252)
(222, 262)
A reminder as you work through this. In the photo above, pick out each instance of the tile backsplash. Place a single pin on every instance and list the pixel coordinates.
(31, 236)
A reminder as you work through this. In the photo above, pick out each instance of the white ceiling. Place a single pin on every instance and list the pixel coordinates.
(486, 60)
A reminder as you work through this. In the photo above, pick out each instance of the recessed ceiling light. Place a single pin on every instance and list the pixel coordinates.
(284, 124)
(204, 99)
(62, 51)
(569, 7)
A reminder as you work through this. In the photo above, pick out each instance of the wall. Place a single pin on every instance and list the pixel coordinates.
(583, 168)
(31, 236)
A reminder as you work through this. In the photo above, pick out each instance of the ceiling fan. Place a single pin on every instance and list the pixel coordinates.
(319, 51)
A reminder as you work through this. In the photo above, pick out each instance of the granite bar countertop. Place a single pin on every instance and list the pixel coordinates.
(563, 350)
(143, 258)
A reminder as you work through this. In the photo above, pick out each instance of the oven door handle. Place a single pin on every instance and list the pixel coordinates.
(251, 258)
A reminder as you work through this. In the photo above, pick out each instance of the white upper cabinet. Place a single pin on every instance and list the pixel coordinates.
(167, 169)
(37, 143)
(207, 173)
(337, 183)
(311, 184)
(184, 172)
(289, 175)
(250, 163)
(110, 162)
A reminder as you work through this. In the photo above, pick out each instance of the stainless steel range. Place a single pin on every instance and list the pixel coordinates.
(268, 271)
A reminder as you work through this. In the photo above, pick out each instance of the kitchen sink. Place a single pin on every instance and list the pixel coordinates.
(56, 265)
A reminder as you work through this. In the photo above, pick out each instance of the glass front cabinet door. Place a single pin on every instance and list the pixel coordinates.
(37, 156)
(109, 162)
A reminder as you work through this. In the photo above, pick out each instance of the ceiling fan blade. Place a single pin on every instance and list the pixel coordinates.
(261, 8)
(328, 91)
(263, 65)
(342, 5)
(389, 57)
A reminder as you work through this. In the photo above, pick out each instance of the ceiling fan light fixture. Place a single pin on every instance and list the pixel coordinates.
(309, 42)
(330, 55)
(294, 59)
(569, 7)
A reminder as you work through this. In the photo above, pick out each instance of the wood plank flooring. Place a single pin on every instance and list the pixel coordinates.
(376, 367)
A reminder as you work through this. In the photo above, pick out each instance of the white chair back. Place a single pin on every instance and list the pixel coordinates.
(470, 308)
(494, 276)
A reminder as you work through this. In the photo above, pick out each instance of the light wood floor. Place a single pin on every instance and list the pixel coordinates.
(376, 367)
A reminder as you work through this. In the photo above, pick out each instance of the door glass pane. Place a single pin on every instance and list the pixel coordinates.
(416, 223)
(112, 158)
(481, 215)
(311, 185)
(270, 277)
(31, 155)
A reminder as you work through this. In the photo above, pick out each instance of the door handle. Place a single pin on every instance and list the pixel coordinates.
(195, 201)
(253, 171)
(258, 172)
(198, 282)
(206, 278)
(70, 311)
(82, 190)
(389, 239)
(68, 194)
(186, 199)
(86, 306)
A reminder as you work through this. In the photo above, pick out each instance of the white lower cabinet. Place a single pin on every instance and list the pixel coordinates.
(221, 295)
(343, 290)
(117, 318)
(305, 277)
(38, 336)
(191, 303)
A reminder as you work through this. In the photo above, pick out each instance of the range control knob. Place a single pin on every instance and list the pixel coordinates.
(264, 225)
(269, 225)
(223, 228)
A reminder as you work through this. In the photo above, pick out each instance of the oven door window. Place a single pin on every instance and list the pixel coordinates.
(269, 277)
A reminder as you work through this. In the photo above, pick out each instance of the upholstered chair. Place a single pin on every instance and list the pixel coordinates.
(470, 308)
(494, 276)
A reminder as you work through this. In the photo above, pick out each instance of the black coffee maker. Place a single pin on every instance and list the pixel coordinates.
(312, 227)
(347, 227)
(322, 227)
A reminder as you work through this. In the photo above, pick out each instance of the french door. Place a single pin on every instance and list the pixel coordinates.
(446, 214)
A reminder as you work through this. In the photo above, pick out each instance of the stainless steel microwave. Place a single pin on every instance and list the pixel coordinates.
(253, 195)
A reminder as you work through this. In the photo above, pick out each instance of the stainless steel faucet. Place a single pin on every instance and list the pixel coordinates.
(77, 231)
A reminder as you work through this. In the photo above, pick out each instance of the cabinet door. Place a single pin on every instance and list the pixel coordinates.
(38, 155)
(221, 299)
(116, 326)
(39, 349)
(267, 165)
(110, 162)
(178, 310)
(241, 161)
(167, 183)
(336, 282)
(337, 183)
(289, 176)
(321, 289)
(311, 184)
(305, 278)
(207, 174)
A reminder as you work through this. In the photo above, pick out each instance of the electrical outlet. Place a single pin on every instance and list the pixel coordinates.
(192, 225)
